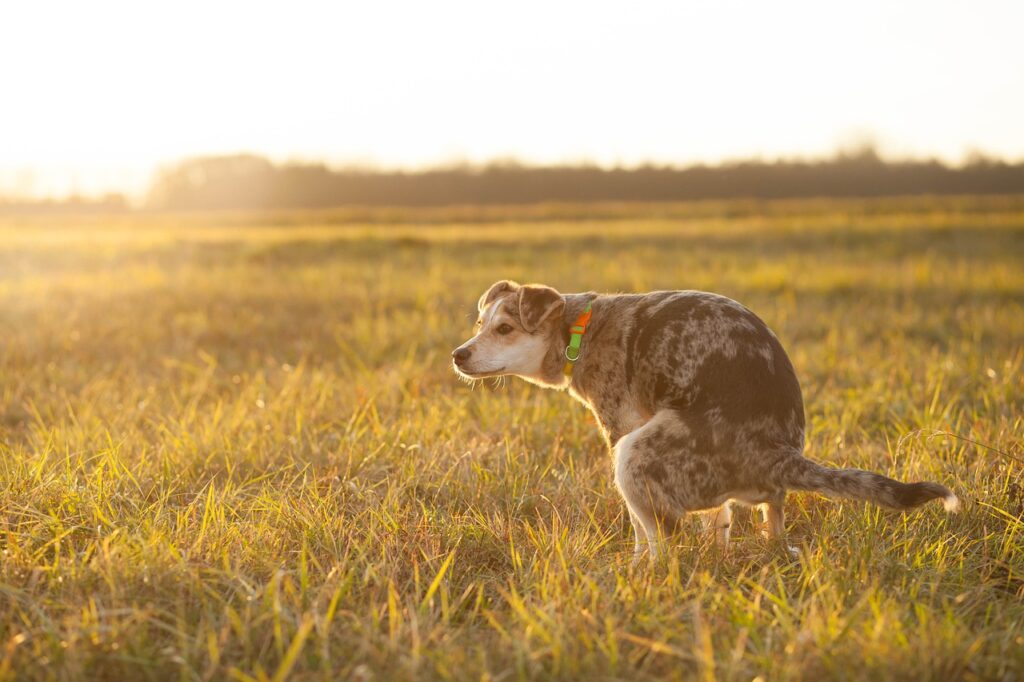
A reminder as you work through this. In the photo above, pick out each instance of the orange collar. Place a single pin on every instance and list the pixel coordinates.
(576, 332)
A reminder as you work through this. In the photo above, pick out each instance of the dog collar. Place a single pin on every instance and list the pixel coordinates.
(576, 332)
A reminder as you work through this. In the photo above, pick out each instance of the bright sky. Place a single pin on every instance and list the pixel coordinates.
(94, 95)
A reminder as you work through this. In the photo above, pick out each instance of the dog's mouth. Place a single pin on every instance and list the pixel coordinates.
(480, 374)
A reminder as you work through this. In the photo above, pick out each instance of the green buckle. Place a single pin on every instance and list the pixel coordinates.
(576, 332)
(572, 351)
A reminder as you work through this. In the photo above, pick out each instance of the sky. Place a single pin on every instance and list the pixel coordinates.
(94, 96)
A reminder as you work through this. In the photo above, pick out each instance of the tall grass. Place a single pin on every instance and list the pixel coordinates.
(232, 447)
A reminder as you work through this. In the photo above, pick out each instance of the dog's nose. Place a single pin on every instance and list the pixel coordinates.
(461, 355)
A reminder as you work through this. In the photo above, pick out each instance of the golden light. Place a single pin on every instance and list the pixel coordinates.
(95, 95)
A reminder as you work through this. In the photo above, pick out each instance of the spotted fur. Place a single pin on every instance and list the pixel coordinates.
(693, 392)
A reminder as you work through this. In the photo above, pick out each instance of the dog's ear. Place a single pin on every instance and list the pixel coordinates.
(497, 289)
(538, 303)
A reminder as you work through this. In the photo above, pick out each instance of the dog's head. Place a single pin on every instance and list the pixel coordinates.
(514, 332)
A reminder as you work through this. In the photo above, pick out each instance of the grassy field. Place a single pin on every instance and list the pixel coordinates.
(232, 447)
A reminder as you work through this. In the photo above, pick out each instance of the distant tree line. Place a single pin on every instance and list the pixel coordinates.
(252, 182)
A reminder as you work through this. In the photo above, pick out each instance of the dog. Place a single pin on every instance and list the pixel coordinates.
(694, 395)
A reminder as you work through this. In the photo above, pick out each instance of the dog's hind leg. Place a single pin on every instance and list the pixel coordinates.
(646, 529)
(774, 514)
(720, 522)
(639, 534)
(645, 475)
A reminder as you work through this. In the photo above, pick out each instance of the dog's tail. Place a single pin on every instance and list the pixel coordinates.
(803, 474)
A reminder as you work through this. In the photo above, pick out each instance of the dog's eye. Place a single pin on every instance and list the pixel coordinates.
(504, 329)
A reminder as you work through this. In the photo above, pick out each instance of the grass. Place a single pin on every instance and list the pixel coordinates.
(231, 446)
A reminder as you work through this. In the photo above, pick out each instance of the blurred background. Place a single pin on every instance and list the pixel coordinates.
(314, 104)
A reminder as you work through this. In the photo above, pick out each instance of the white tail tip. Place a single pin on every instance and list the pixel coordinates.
(952, 503)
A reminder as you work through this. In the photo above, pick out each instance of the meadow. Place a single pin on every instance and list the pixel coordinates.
(232, 447)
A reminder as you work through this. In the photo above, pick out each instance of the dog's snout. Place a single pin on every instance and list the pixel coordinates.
(461, 355)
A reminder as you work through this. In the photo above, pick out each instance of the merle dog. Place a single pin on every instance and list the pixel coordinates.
(693, 392)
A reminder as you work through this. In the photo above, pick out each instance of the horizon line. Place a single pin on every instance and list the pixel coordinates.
(863, 150)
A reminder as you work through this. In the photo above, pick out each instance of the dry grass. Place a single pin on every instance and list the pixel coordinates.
(232, 446)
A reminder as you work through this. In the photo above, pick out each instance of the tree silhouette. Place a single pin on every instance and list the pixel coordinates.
(252, 182)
